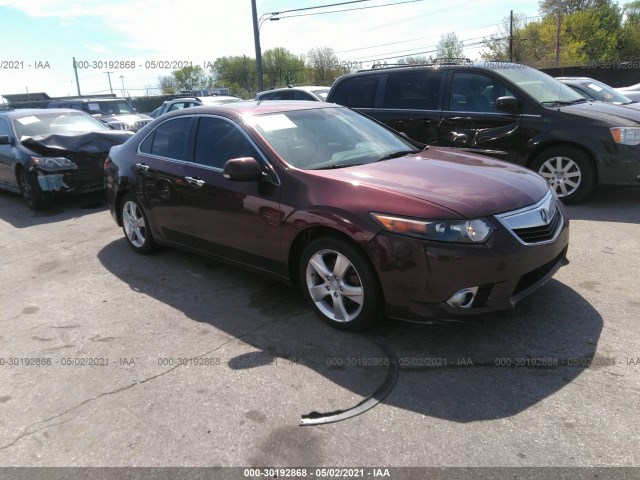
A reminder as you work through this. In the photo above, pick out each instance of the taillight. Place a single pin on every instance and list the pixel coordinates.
(107, 161)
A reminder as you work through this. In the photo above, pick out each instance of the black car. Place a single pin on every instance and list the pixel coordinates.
(116, 113)
(43, 152)
(508, 111)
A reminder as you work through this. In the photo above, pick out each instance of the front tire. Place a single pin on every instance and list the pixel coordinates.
(31, 192)
(136, 226)
(340, 284)
(568, 170)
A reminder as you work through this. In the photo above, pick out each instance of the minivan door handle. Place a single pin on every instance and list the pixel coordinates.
(195, 181)
(458, 121)
(142, 166)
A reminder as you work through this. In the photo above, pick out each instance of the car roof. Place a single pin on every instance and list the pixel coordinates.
(20, 112)
(306, 88)
(87, 100)
(256, 107)
(577, 79)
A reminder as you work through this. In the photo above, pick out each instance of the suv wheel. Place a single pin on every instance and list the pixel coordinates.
(569, 171)
(340, 284)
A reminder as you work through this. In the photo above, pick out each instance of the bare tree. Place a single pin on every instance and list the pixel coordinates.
(324, 63)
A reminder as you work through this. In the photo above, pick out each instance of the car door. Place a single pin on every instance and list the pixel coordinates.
(237, 220)
(7, 156)
(470, 120)
(160, 170)
(411, 103)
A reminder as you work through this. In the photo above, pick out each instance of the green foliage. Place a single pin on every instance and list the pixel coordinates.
(237, 73)
(191, 78)
(449, 46)
(590, 31)
(323, 66)
(281, 67)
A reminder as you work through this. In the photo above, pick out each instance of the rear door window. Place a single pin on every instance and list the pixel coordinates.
(419, 90)
(356, 92)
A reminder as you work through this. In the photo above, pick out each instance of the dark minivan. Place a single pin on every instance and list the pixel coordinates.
(508, 111)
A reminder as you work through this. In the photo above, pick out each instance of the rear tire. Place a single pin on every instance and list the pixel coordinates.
(136, 226)
(569, 171)
(31, 192)
(340, 284)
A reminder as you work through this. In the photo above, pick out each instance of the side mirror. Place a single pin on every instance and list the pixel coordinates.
(507, 104)
(5, 140)
(243, 169)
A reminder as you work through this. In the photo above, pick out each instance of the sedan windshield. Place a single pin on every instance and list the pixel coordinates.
(603, 92)
(326, 138)
(542, 87)
(50, 123)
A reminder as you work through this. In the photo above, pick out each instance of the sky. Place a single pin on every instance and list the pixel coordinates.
(40, 38)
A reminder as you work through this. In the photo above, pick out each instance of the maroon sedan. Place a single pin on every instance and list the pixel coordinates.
(369, 223)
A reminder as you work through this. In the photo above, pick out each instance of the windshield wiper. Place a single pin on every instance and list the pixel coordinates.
(564, 102)
(339, 165)
(401, 153)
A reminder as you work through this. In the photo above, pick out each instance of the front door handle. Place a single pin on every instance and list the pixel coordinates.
(142, 166)
(195, 181)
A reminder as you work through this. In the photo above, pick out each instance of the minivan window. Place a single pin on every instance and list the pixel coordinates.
(413, 90)
(542, 87)
(474, 92)
(357, 91)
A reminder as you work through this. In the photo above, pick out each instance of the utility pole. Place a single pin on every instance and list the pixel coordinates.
(511, 37)
(558, 23)
(256, 38)
(75, 69)
(109, 75)
(122, 80)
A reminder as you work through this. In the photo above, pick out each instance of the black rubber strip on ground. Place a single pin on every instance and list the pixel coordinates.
(316, 418)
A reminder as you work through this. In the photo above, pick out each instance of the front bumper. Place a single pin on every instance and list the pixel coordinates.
(418, 277)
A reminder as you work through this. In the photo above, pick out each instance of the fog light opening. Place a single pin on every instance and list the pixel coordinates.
(463, 298)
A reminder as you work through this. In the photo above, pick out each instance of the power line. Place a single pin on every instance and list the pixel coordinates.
(319, 6)
(350, 9)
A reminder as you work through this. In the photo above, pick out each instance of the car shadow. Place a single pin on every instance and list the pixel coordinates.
(609, 204)
(13, 210)
(490, 367)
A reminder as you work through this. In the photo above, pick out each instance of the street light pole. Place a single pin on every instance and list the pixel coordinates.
(122, 80)
(256, 38)
(109, 75)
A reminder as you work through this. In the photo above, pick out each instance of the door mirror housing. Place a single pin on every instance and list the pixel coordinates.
(5, 140)
(243, 169)
(507, 104)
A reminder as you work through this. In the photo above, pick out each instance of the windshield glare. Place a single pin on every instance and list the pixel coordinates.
(328, 137)
(542, 87)
(50, 123)
(604, 92)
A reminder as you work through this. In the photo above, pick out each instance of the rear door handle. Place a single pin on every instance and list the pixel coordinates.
(142, 166)
(195, 181)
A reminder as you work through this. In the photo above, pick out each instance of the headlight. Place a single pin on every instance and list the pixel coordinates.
(626, 135)
(53, 163)
(465, 231)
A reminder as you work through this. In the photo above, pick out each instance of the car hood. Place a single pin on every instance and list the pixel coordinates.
(78, 147)
(615, 115)
(471, 185)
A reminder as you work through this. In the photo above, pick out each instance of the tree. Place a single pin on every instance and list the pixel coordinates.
(238, 73)
(630, 32)
(190, 78)
(324, 65)
(167, 85)
(281, 67)
(449, 46)
(497, 45)
(415, 60)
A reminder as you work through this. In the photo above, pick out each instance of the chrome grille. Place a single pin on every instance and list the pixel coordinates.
(539, 223)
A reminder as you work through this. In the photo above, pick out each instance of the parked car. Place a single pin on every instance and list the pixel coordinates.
(303, 92)
(219, 99)
(43, 152)
(175, 104)
(368, 222)
(597, 91)
(508, 111)
(632, 92)
(116, 113)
